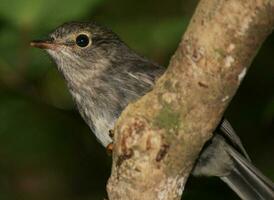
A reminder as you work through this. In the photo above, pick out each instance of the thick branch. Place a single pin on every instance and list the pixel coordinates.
(158, 138)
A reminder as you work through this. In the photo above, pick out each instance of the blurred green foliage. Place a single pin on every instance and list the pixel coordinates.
(43, 14)
(47, 151)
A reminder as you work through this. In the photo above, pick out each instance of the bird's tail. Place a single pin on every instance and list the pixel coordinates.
(247, 181)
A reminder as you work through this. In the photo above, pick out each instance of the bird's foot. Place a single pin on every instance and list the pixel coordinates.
(111, 133)
(110, 148)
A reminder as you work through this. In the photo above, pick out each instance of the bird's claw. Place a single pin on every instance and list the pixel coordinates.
(110, 148)
(111, 133)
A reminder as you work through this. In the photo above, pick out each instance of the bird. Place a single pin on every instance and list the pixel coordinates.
(103, 75)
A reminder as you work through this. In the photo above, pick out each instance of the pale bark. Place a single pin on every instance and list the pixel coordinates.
(158, 138)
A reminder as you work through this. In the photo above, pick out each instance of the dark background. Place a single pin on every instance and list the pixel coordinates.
(47, 151)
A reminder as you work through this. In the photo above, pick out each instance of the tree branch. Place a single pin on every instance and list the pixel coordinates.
(158, 138)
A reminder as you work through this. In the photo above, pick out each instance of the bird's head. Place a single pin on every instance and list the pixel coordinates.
(82, 45)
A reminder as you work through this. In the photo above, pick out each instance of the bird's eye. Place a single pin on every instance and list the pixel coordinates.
(82, 40)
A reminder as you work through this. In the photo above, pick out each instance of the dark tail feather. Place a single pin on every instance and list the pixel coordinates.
(247, 181)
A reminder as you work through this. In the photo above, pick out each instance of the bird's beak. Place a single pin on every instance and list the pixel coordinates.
(44, 44)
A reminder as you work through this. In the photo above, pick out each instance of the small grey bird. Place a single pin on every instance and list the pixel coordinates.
(103, 75)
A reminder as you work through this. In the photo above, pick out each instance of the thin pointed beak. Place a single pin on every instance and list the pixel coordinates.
(44, 44)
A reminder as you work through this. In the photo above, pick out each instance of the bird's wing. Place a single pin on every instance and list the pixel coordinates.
(231, 135)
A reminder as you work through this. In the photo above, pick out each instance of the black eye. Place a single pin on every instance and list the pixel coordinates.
(82, 40)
